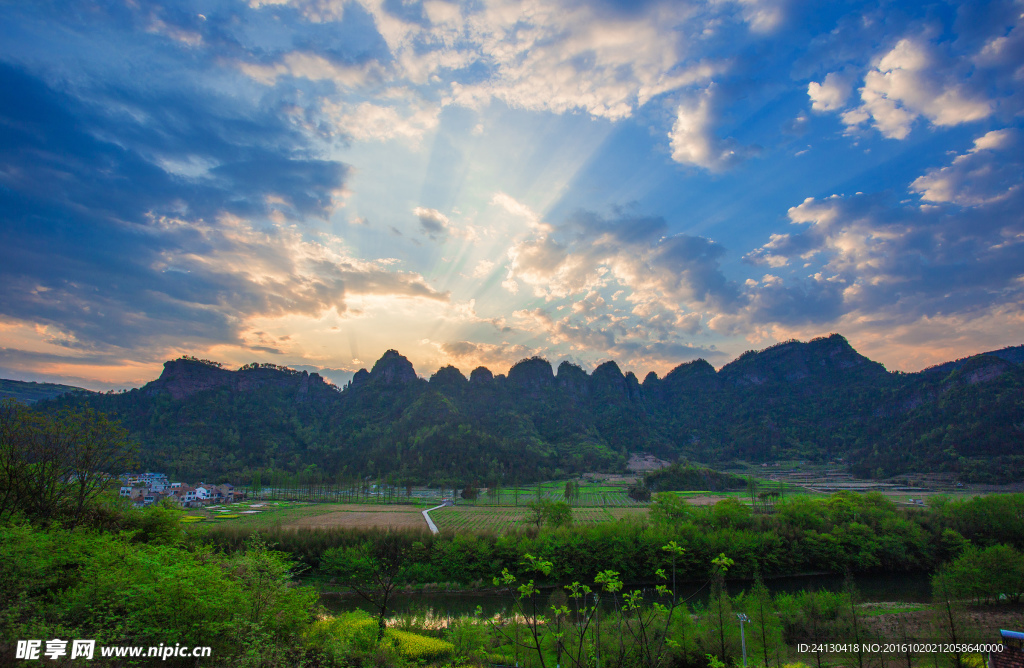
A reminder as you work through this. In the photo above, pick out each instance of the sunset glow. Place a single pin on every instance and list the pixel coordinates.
(313, 182)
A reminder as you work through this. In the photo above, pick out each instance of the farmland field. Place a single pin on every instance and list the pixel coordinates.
(468, 518)
(355, 516)
(290, 514)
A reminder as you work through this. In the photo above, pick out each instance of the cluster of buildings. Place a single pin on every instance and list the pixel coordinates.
(143, 489)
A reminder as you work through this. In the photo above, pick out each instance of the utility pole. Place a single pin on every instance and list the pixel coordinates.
(743, 639)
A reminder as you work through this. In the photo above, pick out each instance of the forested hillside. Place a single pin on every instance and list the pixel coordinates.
(817, 400)
(31, 392)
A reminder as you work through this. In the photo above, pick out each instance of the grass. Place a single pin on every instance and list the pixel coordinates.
(357, 630)
(879, 609)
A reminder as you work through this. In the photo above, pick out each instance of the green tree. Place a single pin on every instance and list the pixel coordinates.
(718, 617)
(764, 621)
(524, 596)
(54, 466)
(948, 614)
(551, 513)
(373, 570)
(571, 491)
(854, 630)
(669, 509)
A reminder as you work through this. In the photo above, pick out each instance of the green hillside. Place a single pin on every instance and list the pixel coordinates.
(818, 401)
(29, 392)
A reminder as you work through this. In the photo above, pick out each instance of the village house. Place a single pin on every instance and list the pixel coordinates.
(148, 488)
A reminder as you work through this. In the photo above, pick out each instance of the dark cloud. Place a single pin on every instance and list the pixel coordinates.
(459, 348)
(128, 227)
(905, 261)
(806, 301)
(433, 223)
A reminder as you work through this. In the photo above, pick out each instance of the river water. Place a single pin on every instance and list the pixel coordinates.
(900, 587)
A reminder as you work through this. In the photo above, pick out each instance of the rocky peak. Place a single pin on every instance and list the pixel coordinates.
(980, 369)
(532, 373)
(186, 376)
(392, 369)
(699, 370)
(633, 387)
(481, 374)
(361, 377)
(607, 379)
(572, 378)
(448, 376)
(825, 358)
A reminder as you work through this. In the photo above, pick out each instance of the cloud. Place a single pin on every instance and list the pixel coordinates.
(563, 330)
(315, 11)
(693, 139)
(987, 173)
(763, 16)
(560, 56)
(831, 94)
(901, 262)
(173, 259)
(368, 121)
(483, 269)
(589, 252)
(498, 357)
(438, 227)
(643, 344)
(312, 66)
(945, 82)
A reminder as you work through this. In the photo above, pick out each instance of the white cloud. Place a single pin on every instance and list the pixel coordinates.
(904, 262)
(483, 269)
(987, 173)
(589, 253)
(563, 330)
(693, 139)
(568, 56)
(518, 209)
(276, 271)
(367, 121)
(551, 56)
(831, 94)
(915, 79)
(310, 66)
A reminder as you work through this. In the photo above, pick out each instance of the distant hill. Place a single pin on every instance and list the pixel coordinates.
(1014, 354)
(817, 400)
(29, 392)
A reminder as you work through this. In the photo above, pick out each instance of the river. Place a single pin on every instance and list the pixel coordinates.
(901, 587)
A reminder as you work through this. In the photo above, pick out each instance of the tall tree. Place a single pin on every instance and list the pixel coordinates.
(373, 570)
(53, 466)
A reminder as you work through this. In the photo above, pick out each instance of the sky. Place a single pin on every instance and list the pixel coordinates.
(313, 182)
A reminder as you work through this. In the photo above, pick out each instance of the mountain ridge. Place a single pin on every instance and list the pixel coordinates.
(816, 400)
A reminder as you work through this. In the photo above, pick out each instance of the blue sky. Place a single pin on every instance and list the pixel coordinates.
(313, 182)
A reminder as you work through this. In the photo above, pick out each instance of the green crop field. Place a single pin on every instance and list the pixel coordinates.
(468, 518)
(256, 514)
